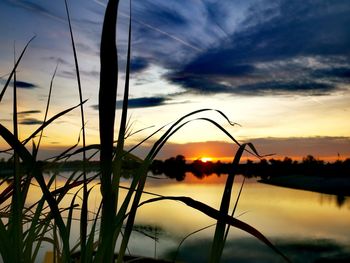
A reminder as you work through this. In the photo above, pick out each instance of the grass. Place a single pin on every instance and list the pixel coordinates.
(25, 228)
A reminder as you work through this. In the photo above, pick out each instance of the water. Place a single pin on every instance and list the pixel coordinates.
(306, 226)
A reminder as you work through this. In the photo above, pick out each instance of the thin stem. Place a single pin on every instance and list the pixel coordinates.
(83, 224)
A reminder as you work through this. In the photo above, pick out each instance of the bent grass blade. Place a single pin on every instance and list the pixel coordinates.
(216, 214)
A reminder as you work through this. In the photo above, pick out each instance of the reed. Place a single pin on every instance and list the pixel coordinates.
(27, 227)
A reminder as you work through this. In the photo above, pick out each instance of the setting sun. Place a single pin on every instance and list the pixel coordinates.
(206, 159)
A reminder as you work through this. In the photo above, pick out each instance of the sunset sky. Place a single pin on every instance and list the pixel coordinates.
(281, 69)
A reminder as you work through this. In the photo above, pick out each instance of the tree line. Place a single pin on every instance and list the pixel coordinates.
(177, 167)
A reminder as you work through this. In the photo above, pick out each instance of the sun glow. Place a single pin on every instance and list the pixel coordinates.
(206, 159)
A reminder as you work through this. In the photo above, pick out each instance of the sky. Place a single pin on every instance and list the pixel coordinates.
(279, 68)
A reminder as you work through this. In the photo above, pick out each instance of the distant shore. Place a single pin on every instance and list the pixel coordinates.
(339, 186)
(310, 171)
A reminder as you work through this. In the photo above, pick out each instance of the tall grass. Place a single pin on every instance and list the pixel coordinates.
(26, 228)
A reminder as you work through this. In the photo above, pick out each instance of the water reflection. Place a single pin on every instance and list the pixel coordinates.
(339, 200)
(280, 213)
(305, 225)
(249, 250)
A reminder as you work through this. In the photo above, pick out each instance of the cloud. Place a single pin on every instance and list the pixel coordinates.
(162, 14)
(25, 85)
(198, 84)
(276, 31)
(308, 28)
(337, 72)
(58, 60)
(71, 73)
(86, 48)
(21, 84)
(275, 87)
(138, 64)
(218, 46)
(206, 85)
(37, 8)
(144, 102)
(28, 112)
(223, 68)
(31, 121)
(168, 35)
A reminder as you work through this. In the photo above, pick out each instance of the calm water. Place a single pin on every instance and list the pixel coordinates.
(304, 225)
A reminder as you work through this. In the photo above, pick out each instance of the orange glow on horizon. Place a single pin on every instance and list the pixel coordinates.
(206, 159)
(244, 159)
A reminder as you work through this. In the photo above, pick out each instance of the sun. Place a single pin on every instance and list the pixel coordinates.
(206, 159)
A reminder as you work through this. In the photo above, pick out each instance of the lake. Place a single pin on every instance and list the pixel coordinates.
(306, 226)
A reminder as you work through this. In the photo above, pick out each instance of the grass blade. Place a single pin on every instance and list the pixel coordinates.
(219, 236)
(15, 219)
(46, 111)
(215, 214)
(14, 69)
(120, 145)
(107, 104)
(83, 215)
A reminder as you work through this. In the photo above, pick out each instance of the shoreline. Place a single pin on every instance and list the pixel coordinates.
(338, 186)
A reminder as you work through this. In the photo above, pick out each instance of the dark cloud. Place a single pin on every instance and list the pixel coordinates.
(198, 84)
(138, 64)
(342, 73)
(145, 102)
(28, 112)
(281, 31)
(275, 87)
(25, 85)
(205, 85)
(223, 68)
(31, 121)
(295, 29)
